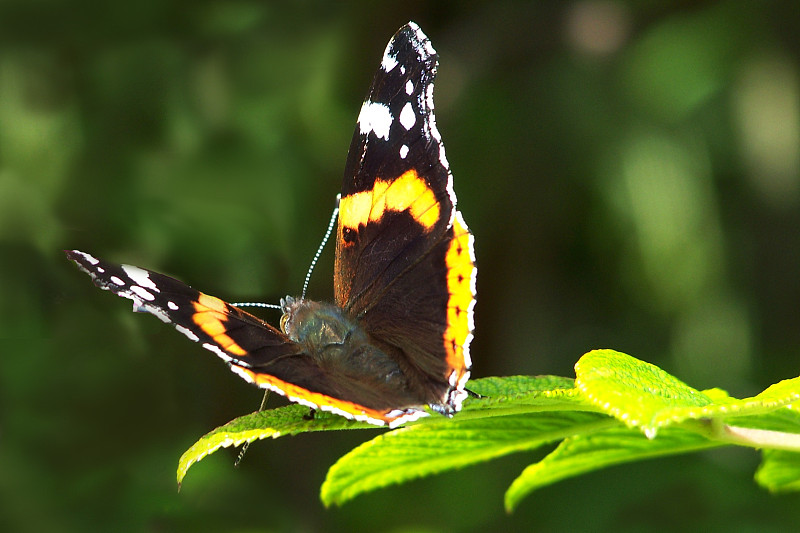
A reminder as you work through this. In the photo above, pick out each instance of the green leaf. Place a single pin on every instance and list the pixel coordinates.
(587, 452)
(500, 396)
(642, 395)
(520, 413)
(781, 393)
(779, 471)
(785, 419)
(636, 393)
(510, 386)
(509, 416)
(425, 449)
(289, 420)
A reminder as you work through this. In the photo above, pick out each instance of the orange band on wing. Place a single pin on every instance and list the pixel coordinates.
(460, 273)
(408, 192)
(210, 316)
(318, 400)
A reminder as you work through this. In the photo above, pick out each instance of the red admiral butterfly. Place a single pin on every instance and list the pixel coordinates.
(398, 336)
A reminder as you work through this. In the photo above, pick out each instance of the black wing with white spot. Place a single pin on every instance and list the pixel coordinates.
(396, 127)
(235, 335)
(404, 255)
(255, 350)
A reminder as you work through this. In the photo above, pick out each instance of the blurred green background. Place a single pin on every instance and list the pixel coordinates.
(631, 172)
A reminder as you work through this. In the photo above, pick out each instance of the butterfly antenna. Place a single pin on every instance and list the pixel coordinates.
(246, 444)
(327, 236)
(256, 304)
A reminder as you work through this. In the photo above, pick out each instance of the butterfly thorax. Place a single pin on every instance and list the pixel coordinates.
(337, 341)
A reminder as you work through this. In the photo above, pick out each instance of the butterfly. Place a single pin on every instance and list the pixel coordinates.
(397, 337)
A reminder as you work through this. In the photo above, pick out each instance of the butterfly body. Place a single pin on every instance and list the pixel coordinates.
(339, 344)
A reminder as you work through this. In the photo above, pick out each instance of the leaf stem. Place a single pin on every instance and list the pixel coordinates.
(758, 438)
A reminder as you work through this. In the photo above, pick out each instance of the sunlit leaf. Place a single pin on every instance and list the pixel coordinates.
(587, 452)
(426, 449)
(274, 423)
(779, 471)
(645, 396)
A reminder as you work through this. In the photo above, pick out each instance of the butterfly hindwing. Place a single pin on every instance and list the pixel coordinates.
(253, 349)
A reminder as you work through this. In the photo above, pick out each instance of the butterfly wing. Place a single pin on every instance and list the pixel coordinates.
(255, 350)
(404, 255)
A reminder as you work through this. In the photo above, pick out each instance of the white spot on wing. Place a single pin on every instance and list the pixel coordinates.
(442, 157)
(242, 374)
(407, 116)
(465, 348)
(217, 350)
(117, 281)
(422, 40)
(430, 122)
(438, 138)
(403, 151)
(172, 305)
(389, 61)
(144, 294)
(429, 99)
(302, 401)
(409, 87)
(375, 118)
(141, 307)
(412, 415)
(187, 332)
(140, 276)
(90, 259)
(458, 396)
(453, 379)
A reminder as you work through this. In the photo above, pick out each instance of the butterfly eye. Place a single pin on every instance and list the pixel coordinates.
(284, 322)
